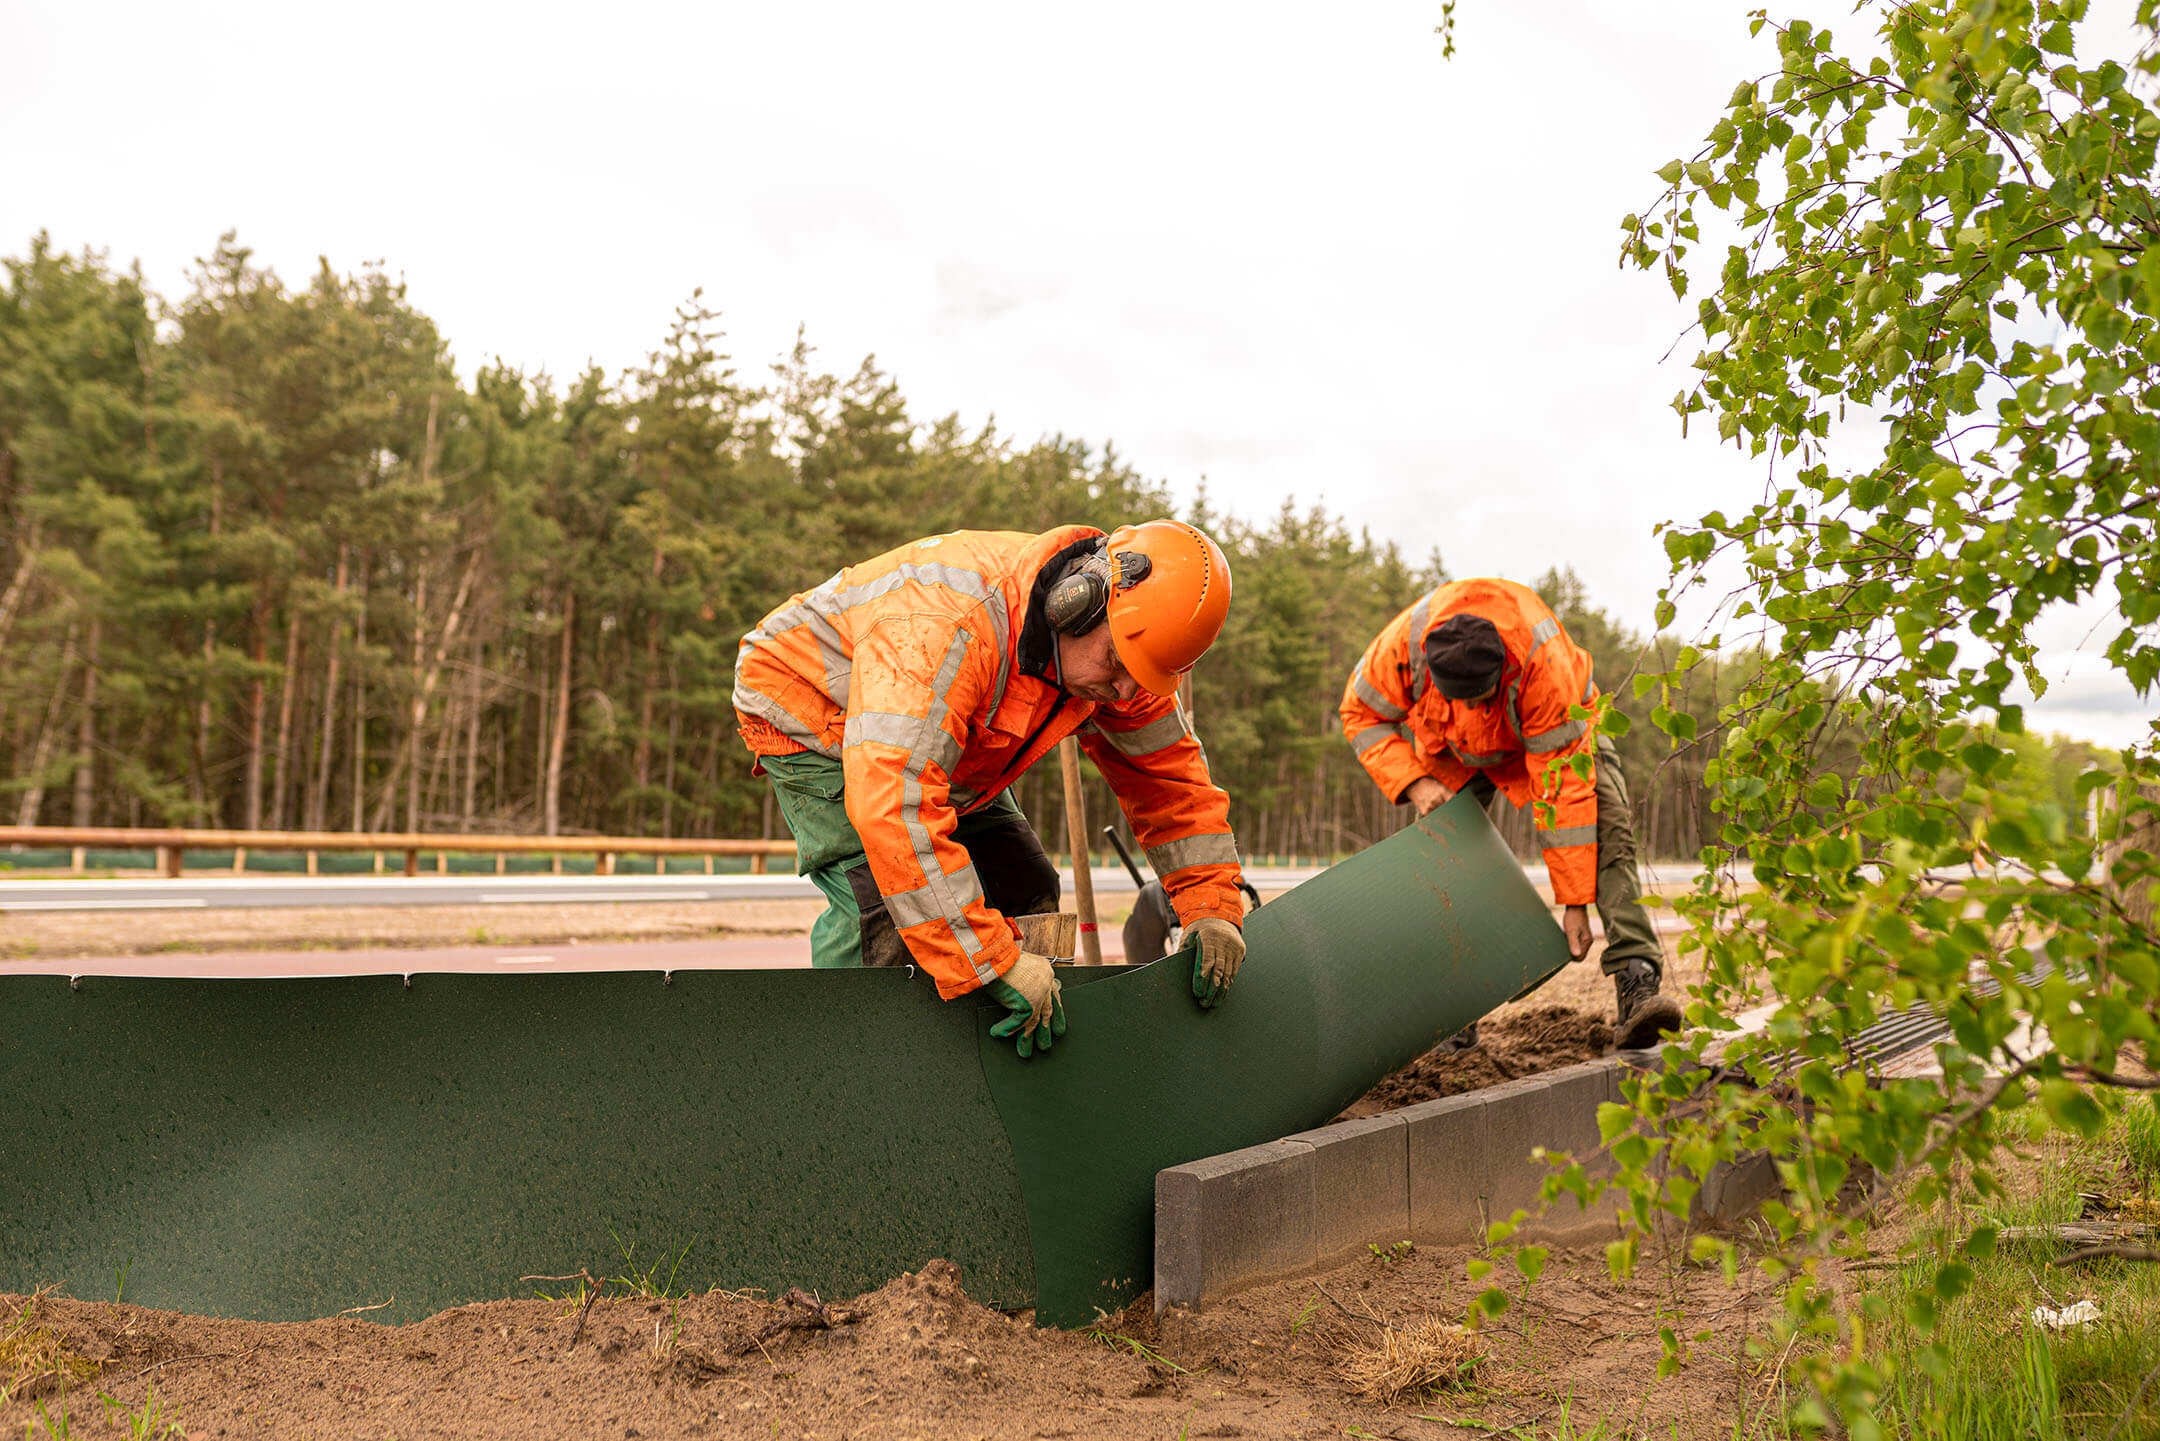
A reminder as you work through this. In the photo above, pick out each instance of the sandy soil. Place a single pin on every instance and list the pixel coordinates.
(919, 1360)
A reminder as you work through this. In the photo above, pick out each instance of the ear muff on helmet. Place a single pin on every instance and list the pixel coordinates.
(1080, 600)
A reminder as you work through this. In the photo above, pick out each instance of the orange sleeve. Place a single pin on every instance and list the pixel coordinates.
(917, 680)
(1146, 749)
(1564, 804)
(1376, 716)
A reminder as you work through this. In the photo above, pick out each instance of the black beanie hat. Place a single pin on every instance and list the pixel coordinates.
(1465, 656)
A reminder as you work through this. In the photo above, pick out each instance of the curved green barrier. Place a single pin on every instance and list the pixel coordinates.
(285, 1149)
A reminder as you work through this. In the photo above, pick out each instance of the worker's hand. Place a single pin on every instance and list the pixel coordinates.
(1030, 990)
(1222, 950)
(1575, 925)
(1427, 795)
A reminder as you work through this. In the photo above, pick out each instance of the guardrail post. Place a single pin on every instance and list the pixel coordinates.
(311, 864)
(708, 863)
(757, 864)
(412, 860)
(78, 859)
(603, 863)
(378, 863)
(502, 863)
(442, 863)
(169, 861)
(555, 864)
(239, 859)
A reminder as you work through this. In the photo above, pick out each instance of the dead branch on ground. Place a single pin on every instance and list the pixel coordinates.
(592, 1294)
(810, 1314)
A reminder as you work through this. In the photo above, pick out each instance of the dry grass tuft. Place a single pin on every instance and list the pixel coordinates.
(34, 1359)
(1433, 1355)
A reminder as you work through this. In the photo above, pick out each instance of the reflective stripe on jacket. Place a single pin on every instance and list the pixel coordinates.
(1402, 727)
(906, 669)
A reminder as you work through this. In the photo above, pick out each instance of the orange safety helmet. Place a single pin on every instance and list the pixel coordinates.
(1164, 619)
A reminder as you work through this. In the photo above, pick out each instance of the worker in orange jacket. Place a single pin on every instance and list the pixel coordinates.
(1477, 687)
(893, 706)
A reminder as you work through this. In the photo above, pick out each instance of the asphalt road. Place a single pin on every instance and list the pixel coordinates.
(255, 892)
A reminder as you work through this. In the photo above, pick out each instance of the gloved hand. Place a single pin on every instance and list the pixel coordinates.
(1222, 949)
(1030, 990)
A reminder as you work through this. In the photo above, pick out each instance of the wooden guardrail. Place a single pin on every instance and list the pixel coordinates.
(172, 844)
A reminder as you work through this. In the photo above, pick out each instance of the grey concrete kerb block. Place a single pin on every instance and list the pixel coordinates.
(1440, 1171)
(1233, 1220)
(1361, 1185)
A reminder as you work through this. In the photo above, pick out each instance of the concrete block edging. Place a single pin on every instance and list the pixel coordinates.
(1438, 1171)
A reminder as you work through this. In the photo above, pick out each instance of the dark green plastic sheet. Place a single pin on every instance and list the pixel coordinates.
(1346, 978)
(285, 1149)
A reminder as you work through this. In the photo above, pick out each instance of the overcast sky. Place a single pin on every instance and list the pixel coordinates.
(1286, 250)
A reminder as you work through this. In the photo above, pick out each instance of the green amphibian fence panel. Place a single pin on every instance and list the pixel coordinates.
(285, 1149)
(1346, 979)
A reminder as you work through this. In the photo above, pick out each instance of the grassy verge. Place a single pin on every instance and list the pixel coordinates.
(1988, 1370)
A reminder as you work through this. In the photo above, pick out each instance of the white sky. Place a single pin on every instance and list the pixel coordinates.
(1285, 249)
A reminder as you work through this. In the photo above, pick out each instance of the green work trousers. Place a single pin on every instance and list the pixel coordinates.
(1629, 936)
(855, 929)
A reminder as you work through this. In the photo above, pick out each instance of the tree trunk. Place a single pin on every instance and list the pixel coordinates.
(407, 764)
(258, 707)
(281, 764)
(209, 651)
(472, 733)
(86, 732)
(667, 782)
(33, 799)
(12, 600)
(551, 798)
(359, 708)
(318, 807)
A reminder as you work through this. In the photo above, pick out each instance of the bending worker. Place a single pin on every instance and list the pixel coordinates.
(892, 706)
(1471, 687)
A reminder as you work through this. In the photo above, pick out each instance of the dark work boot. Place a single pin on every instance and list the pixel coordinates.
(1644, 1016)
(1463, 1040)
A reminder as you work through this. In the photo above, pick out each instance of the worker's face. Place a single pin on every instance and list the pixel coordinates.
(1088, 667)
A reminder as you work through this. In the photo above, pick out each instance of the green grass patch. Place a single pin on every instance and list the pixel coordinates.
(1978, 1367)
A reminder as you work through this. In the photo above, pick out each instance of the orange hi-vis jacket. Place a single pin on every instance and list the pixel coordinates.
(909, 669)
(1402, 727)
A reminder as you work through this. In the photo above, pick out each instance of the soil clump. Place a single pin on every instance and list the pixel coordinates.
(920, 1360)
(1511, 1044)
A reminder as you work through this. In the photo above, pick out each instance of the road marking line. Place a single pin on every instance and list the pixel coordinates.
(541, 898)
(148, 903)
(524, 960)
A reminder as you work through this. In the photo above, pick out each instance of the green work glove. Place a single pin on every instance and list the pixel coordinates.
(1030, 990)
(1222, 950)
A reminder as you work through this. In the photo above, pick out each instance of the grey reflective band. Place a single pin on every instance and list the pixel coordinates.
(968, 582)
(1480, 762)
(1420, 671)
(1379, 704)
(1371, 736)
(1540, 633)
(1215, 850)
(1158, 734)
(913, 908)
(780, 718)
(1572, 836)
(832, 649)
(1560, 736)
(938, 893)
(819, 606)
(904, 731)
